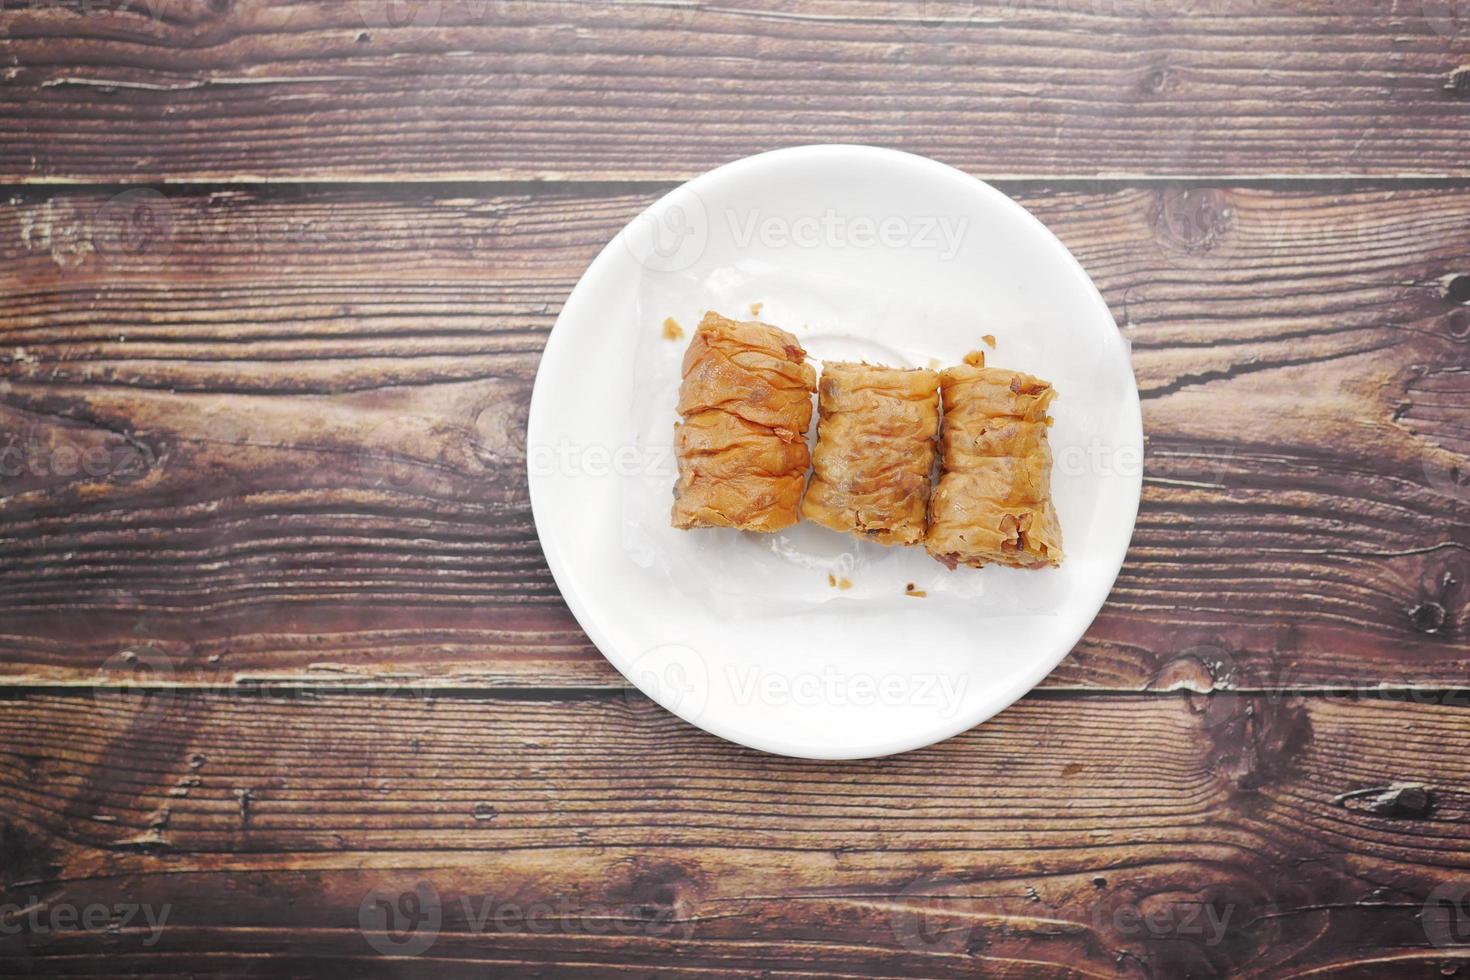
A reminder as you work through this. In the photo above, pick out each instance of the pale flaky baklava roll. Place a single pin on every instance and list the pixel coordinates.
(875, 451)
(993, 501)
(744, 407)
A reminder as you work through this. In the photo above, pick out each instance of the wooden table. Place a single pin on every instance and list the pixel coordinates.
(283, 664)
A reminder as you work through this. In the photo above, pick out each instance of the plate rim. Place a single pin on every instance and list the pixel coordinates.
(586, 619)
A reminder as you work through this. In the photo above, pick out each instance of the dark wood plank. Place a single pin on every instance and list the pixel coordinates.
(1147, 836)
(143, 90)
(308, 410)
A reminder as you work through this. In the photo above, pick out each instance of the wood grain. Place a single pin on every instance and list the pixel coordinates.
(1106, 836)
(306, 408)
(277, 640)
(148, 90)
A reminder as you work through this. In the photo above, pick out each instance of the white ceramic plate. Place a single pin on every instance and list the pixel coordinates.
(861, 252)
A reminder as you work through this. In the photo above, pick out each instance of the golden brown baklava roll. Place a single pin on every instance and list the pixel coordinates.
(875, 451)
(993, 502)
(745, 404)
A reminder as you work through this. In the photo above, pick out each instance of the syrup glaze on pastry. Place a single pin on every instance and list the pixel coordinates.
(745, 405)
(993, 501)
(875, 450)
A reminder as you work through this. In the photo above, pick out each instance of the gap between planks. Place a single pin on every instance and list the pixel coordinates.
(503, 182)
(16, 689)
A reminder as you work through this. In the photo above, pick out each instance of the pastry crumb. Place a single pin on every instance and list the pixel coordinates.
(916, 593)
(844, 584)
(832, 580)
(672, 330)
(933, 363)
(755, 308)
(989, 340)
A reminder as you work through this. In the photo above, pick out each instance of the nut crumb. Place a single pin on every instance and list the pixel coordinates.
(755, 308)
(989, 340)
(672, 330)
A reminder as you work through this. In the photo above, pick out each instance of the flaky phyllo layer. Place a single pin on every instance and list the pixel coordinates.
(744, 406)
(875, 450)
(993, 501)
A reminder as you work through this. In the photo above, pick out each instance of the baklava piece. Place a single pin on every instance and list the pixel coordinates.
(875, 451)
(993, 501)
(744, 407)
